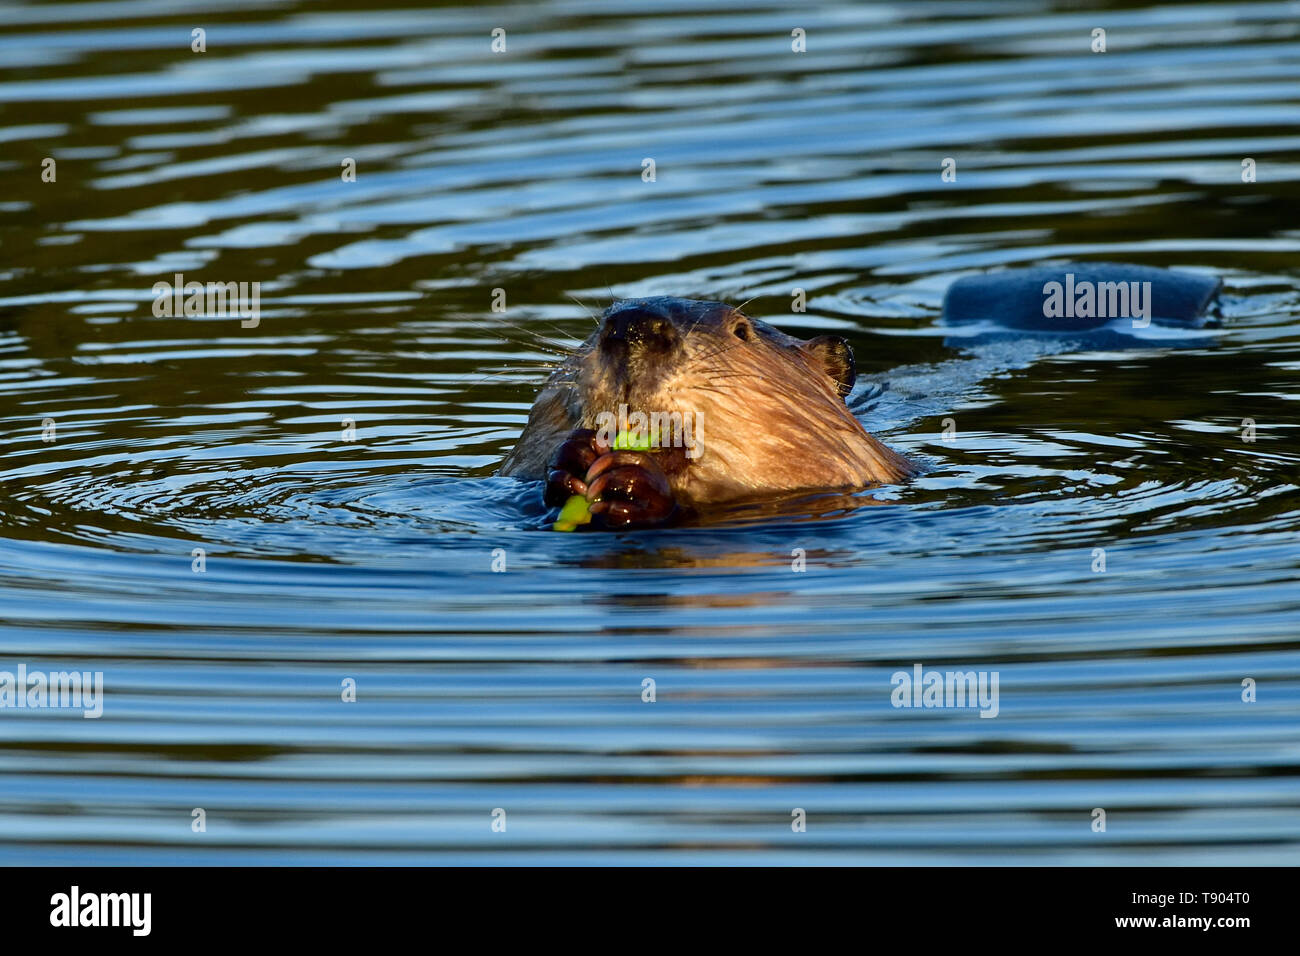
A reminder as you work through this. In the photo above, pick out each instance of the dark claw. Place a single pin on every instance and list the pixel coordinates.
(625, 459)
(561, 485)
(628, 489)
(618, 514)
(569, 464)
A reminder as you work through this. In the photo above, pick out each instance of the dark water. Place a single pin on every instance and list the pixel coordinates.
(371, 559)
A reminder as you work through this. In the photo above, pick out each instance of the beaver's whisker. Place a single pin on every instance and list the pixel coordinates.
(557, 349)
(594, 317)
(512, 370)
(714, 354)
(694, 325)
(563, 332)
(536, 339)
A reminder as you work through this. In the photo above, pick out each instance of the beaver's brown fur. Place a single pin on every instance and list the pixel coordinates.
(772, 411)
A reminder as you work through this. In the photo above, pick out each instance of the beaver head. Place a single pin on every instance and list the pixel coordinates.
(763, 412)
(649, 352)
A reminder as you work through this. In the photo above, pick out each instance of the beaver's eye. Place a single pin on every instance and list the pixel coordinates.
(741, 330)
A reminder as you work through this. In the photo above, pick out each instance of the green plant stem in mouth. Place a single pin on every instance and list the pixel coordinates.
(574, 513)
(625, 441)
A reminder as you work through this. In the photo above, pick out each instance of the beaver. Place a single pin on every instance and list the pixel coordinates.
(735, 410)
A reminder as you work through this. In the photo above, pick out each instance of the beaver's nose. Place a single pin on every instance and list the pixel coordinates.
(636, 328)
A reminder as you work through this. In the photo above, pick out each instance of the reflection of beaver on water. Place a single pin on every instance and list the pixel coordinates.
(768, 412)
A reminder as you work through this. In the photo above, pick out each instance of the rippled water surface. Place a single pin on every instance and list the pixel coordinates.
(329, 559)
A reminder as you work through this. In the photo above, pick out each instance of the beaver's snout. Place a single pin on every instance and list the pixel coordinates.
(636, 332)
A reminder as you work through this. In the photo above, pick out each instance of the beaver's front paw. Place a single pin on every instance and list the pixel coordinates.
(569, 466)
(629, 489)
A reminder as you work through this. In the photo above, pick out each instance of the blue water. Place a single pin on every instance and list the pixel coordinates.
(371, 559)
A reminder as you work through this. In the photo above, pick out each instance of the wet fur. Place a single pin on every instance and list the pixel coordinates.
(773, 416)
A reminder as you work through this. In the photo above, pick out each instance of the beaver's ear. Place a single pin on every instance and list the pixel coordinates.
(836, 357)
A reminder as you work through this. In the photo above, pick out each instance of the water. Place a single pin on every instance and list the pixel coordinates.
(371, 559)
